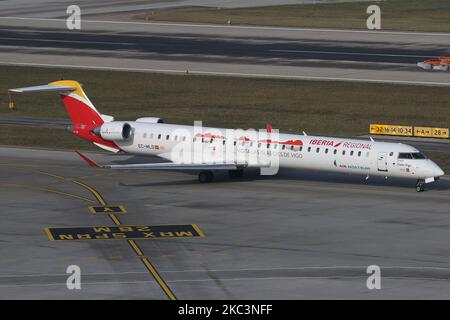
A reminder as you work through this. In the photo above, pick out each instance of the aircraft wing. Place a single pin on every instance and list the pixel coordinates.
(164, 166)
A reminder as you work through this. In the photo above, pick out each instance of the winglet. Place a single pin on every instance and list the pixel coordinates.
(89, 161)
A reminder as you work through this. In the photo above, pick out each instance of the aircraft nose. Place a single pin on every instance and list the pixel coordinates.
(437, 171)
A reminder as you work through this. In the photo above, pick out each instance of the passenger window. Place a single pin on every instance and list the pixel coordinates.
(184, 138)
(326, 150)
(268, 145)
(167, 137)
(283, 147)
(292, 147)
(309, 149)
(335, 151)
(351, 152)
(259, 145)
(251, 144)
(234, 143)
(359, 153)
(159, 137)
(343, 152)
(317, 150)
(176, 138)
(301, 148)
(145, 135)
(223, 142)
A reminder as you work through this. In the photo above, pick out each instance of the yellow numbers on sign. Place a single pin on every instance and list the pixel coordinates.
(409, 131)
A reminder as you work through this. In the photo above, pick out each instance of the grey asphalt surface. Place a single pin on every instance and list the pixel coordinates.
(297, 235)
(249, 51)
(324, 53)
(53, 9)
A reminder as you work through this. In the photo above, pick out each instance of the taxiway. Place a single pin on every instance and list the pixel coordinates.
(301, 236)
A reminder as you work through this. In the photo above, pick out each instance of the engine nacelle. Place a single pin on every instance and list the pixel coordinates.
(115, 131)
(150, 120)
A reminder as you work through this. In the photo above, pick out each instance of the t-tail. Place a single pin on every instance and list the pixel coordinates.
(84, 116)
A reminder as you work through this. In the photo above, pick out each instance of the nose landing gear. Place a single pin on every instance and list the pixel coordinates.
(420, 185)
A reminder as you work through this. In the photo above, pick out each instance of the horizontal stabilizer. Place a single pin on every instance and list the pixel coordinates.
(44, 88)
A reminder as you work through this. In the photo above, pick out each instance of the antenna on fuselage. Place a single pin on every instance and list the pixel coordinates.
(371, 139)
(304, 133)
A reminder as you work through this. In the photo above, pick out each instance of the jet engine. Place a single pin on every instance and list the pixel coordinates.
(114, 131)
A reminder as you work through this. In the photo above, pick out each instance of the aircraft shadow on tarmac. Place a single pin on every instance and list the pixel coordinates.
(283, 174)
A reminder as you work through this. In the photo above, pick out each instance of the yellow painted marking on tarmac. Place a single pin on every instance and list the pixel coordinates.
(158, 279)
(200, 232)
(51, 175)
(147, 263)
(49, 234)
(92, 190)
(107, 209)
(114, 219)
(135, 247)
(132, 243)
(49, 190)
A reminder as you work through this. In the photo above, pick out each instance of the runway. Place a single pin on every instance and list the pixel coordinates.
(184, 47)
(297, 235)
(52, 9)
(246, 51)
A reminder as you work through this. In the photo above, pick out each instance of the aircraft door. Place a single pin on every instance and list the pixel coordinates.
(382, 161)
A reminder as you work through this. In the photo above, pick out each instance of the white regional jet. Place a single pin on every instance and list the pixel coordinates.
(206, 150)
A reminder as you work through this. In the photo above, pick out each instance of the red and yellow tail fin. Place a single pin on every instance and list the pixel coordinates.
(84, 116)
(81, 111)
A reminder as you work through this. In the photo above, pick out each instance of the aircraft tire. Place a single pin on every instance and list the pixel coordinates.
(420, 186)
(205, 176)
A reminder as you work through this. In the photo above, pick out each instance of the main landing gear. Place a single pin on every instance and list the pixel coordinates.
(236, 174)
(205, 176)
(420, 185)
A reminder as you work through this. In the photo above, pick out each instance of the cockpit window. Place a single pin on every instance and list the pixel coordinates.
(414, 155)
(404, 156)
(418, 155)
